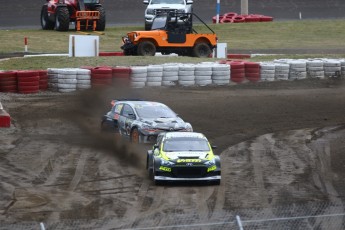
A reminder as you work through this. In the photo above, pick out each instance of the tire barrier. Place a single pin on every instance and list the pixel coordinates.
(186, 75)
(267, 71)
(83, 79)
(28, 81)
(203, 74)
(67, 80)
(101, 76)
(43, 81)
(53, 76)
(138, 76)
(170, 74)
(252, 71)
(5, 118)
(342, 65)
(232, 17)
(154, 75)
(315, 69)
(237, 70)
(332, 68)
(281, 71)
(8, 82)
(221, 74)
(298, 69)
(121, 76)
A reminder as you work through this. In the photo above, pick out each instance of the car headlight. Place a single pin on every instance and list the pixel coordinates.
(150, 11)
(210, 162)
(166, 163)
(180, 11)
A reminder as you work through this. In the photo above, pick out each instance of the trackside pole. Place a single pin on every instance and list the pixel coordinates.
(218, 11)
(239, 222)
(25, 44)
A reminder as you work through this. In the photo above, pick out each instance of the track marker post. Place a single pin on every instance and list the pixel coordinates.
(218, 11)
(25, 44)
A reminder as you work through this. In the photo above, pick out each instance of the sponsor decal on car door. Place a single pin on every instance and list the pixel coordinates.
(126, 119)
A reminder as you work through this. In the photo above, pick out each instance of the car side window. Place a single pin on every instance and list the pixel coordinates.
(127, 111)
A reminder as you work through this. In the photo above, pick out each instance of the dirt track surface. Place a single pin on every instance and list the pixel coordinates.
(280, 143)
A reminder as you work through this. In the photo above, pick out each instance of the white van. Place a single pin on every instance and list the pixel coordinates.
(155, 7)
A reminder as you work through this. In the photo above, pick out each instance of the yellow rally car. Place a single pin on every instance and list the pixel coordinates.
(183, 156)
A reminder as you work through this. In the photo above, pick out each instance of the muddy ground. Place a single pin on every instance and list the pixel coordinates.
(281, 144)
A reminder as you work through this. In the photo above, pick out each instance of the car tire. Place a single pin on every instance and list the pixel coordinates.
(201, 50)
(146, 48)
(135, 136)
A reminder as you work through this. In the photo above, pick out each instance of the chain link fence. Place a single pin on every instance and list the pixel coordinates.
(316, 216)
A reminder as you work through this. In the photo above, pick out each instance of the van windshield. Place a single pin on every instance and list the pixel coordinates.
(167, 2)
(159, 22)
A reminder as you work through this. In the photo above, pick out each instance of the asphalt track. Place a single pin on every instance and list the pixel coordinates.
(26, 14)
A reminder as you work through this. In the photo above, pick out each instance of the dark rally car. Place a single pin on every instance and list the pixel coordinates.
(141, 121)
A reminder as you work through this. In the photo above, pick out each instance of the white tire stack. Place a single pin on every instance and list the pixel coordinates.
(281, 71)
(342, 65)
(298, 69)
(203, 74)
(332, 68)
(170, 74)
(267, 71)
(315, 69)
(154, 75)
(221, 74)
(186, 75)
(53, 76)
(67, 81)
(138, 76)
(83, 79)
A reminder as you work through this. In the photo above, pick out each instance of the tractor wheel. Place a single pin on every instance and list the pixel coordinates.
(62, 19)
(201, 50)
(146, 48)
(45, 22)
(100, 26)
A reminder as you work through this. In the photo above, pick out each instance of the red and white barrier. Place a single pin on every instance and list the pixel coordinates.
(5, 119)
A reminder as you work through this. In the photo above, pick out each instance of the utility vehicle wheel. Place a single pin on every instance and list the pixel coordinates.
(62, 19)
(100, 25)
(45, 23)
(135, 136)
(201, 50)
(146, 48)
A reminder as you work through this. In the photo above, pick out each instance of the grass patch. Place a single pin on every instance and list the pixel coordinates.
(302, 34)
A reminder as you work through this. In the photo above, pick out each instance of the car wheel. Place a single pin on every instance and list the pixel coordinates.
(201, 50)
(135, 136)
(146, 48)
(100, 24)
(147, 26)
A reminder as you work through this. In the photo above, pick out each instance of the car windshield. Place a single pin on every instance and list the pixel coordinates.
(167, 2)
(185, 144)
(154, 111)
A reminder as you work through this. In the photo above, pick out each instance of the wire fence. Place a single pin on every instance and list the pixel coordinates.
(311, 216)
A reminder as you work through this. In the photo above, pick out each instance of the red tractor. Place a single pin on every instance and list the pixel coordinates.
(57, 14)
